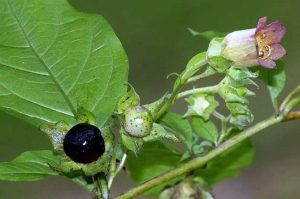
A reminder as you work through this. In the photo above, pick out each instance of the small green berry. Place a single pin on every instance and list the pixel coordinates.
(138, 121)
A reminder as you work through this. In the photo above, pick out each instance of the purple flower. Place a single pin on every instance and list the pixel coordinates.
(268, 37)
(260, 45)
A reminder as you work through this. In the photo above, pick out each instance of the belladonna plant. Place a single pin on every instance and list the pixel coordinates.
(66, 73)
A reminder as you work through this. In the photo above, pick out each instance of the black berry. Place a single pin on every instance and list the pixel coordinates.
(83, 143)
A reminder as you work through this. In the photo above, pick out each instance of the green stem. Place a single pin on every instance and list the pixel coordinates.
(118, 169)
(103, 187)
(113, 164)
(97, 193)
(209, 89)
(170, 101)
(224, 121)
(206, 73)
(219, 116)
(289, 97)
(292, 104)
(200, 161)
(178, 86)
(114, 169)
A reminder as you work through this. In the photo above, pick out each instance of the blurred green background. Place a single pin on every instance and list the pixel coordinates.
(154, 34)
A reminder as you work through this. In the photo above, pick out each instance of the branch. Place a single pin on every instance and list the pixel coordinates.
(210, 89)
(200, 161)
(292, 94)
(180, 82)
(293, 116)
(170, 101)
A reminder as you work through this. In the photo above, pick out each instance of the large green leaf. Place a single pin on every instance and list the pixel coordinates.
(228, 164)
(37, 165)
(31, 165)
(179, 125)
(153, 159)
(205, 129)
(53, 58)
(273, 78)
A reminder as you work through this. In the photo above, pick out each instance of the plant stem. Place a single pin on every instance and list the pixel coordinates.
(170, 101)
(97, 194)
(178, 86)
(289, 97)
(200, 161)
(292, 104)
(209, 89)
(219, 116)
(224, 121)
(113, 164)
(206, 73)
(104, 188)
(293, 115)
(117, 170)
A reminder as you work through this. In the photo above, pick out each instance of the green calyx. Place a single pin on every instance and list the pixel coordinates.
(189, 189)
(214, 55)
(201, 105)
(130, 99)
(234, 92)
(56, 133)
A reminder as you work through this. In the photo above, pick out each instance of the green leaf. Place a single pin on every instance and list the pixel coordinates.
(153, 159)
(205, 129)
(159, 132)
(228, 164)
(194, 65)
(86, 182)
(273, 78)
(241, 73)
(209, 35)
(29, 166)
(180, 126)
(131, 143)
(155, 106)
(54, 58)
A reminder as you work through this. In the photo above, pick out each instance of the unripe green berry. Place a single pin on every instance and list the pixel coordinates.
(138, 121)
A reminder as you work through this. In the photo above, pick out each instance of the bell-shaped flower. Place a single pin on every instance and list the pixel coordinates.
(260, 45)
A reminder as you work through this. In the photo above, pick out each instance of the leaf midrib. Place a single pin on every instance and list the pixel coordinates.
(45, 66)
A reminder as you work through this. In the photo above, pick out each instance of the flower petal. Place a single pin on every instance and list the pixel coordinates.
(277, 52)
(275, 31)
(266, 63)
(262, 22)
(272, 33)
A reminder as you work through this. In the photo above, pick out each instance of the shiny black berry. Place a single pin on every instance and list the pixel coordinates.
(83, 143)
